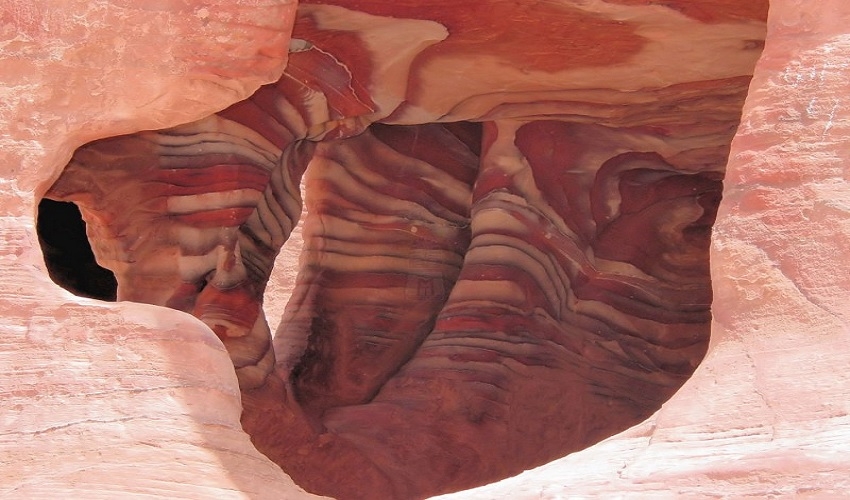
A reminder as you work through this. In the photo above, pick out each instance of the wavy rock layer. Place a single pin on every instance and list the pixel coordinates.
(553, 291)
(766, 413)
(505, 253)
(117, 400)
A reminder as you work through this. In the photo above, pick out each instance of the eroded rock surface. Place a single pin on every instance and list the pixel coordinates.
(505, 253)
(766, 413)
(116, 400)
(505, 256)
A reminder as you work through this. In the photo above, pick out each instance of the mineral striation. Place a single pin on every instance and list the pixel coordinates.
(509, 212)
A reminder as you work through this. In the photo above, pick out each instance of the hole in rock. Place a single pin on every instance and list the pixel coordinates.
(488, 281)
(68, 254)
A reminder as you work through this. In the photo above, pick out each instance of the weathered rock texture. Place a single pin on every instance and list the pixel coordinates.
(766, 413)
(117, 400)
(473, 299)
(505, 256)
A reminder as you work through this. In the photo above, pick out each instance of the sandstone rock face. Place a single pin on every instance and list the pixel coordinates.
(117, 400)
(505, 253)
(510, 262)
(765, 414)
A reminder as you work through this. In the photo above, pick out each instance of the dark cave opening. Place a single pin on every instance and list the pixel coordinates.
(67, 253)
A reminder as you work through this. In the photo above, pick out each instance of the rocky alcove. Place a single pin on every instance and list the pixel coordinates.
(506, 253)
(508, 258)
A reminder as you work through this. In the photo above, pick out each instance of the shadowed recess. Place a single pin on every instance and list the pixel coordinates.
(506, 242)
(68, 254)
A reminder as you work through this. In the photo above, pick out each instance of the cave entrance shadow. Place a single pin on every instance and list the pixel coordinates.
(67, 252)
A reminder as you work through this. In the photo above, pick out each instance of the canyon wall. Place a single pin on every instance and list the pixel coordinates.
(117, 400)
(766, 413)
(127, 398)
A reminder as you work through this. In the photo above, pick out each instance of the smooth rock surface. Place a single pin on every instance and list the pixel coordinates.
(117, 400)
(766, 414)
(505, 256)
(133, 400)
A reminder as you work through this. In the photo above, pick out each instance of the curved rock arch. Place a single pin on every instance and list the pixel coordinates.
(638, 177)
(509, 292)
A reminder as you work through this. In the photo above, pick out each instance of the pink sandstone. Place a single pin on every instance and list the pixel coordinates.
(117, 400)
(511, 285)
(134, 399)
(766, 413)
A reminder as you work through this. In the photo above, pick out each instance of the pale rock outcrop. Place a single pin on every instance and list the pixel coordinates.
(506, 251)
(138, 388)
(766, 414)
(117, 400)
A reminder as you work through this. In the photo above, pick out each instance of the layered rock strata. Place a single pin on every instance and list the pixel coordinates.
(506, 252)
(122, 399)
(117, 400)
(766, 413)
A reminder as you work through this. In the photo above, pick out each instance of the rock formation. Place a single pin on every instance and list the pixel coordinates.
(117, 400)
(506, 253)
(766, 413)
